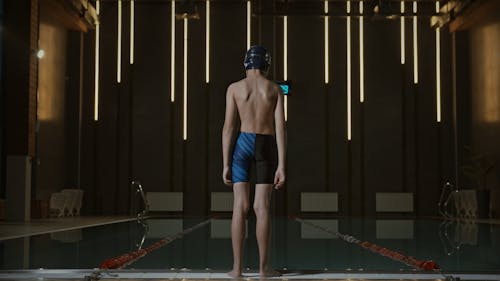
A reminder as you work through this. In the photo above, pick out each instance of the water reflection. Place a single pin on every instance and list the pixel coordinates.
(455, 233)
(455, 245)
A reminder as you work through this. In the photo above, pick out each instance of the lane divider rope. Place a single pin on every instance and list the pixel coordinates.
(120, 262)
(427, 265)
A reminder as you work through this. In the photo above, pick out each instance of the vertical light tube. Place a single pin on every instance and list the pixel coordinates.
(132, 11)
(96, 72)
(249, 23)
(119, 45)
(172, 52)
(438, 70)
(327, 45)
(207, 42)
(361, 55)
(402, 19)
(348, 70)
(285, 60)
(415, 44)
(285, 48)
(185, 115)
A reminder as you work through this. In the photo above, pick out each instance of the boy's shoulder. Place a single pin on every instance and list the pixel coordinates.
(242, 82)
(236, 84)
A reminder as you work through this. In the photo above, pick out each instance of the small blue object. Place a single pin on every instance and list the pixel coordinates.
(285, 88)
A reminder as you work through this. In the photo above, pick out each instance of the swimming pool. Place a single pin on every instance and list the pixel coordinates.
(299, 247)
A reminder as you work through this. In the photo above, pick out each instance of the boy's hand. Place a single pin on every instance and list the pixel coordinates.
(226, 176)
(279, 178)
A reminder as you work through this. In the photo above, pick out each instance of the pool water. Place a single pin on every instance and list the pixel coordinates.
(456, 247)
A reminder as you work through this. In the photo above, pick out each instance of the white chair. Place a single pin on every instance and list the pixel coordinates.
(79, 200)
(74, 201)
(68, 202)
(57, 203)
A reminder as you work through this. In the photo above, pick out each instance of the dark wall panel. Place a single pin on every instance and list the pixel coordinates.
(306, 115)
(2, 110)
(485, 104)
(152, 106)
(88, 149)
(337, 114)
(51, 141)
(228, 47)
(72, 108)
(163, 161)
(195, 166)
(108, 108)
(429, 187)
(383, 114)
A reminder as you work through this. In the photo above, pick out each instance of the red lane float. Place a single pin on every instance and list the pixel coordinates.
(411, 261)
(126, 259)
(427, 265)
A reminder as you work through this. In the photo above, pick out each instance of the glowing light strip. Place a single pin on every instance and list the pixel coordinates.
(415, 44)
(348, 71)
(172, 52)
(285, 60)
(249, 23)
(438, 70)
(285, 48)
(119, 43)
(132, 8)
(361, 55)
(402, 19)
(96, 73)
(185, 116)
(207, 43)
(327, 44)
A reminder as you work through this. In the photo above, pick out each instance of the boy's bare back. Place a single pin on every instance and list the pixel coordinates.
(256, 99)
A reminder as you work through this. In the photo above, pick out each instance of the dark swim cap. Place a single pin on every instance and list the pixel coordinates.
(257, 57)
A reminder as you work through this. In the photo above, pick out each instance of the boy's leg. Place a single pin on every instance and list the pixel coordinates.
(241, 194)
(261, 207)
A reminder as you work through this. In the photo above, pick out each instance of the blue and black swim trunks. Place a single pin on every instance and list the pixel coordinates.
(255, 149)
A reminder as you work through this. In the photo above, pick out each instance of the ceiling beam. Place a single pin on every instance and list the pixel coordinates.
(480, 11)
(73, 14)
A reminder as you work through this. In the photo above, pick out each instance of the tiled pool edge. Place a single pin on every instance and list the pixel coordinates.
(180, 275)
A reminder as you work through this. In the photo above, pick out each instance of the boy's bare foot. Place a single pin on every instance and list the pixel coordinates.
(269, 273)
(234, 273)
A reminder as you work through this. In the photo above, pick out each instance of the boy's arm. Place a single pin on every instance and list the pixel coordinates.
(279, 119)
(227, 134)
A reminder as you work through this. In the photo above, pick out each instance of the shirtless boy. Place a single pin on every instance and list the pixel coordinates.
(258, 102)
